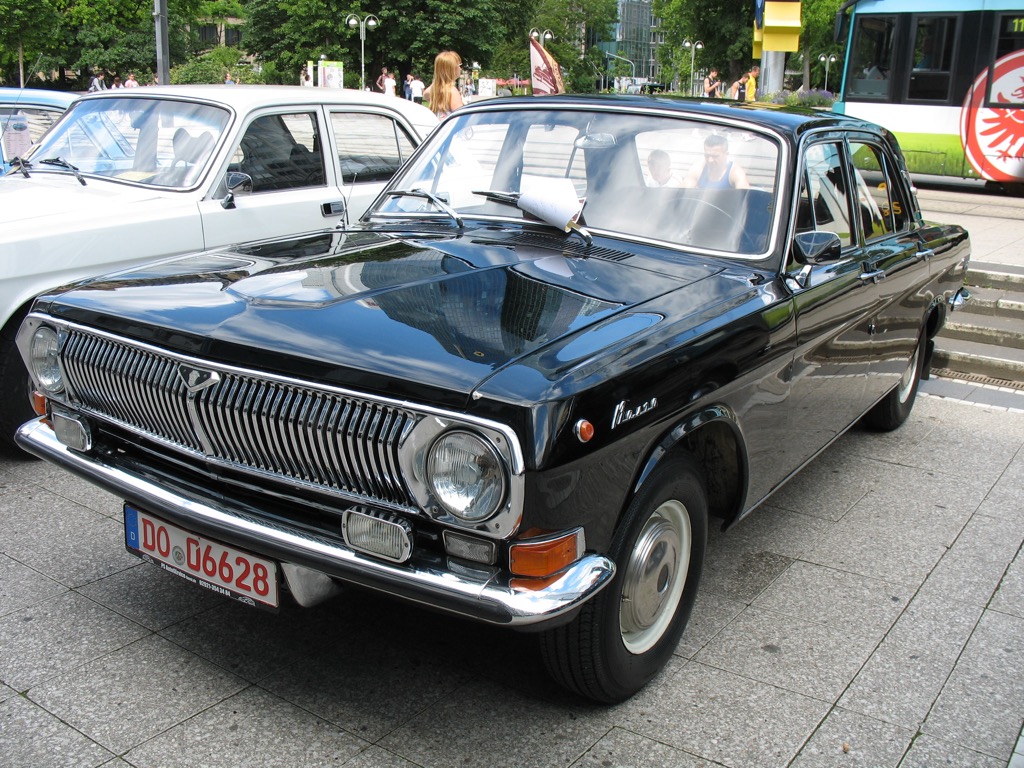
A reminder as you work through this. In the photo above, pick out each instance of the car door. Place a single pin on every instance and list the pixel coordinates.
(893, 256)
(833, 303)
(369, 148)
(292, 186)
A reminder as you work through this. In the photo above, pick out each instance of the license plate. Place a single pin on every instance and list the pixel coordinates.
(210, 564)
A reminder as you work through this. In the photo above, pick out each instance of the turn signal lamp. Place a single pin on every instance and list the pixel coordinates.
(546, 555)
(38, 403)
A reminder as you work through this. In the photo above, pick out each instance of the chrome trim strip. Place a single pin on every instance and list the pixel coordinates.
(484, 600)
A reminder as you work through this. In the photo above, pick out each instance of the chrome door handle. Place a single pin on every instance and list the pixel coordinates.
(876, 277)
(924, 254)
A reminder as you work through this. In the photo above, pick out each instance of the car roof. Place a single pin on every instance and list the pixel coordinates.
(36, 97)
(789, 121)
(244, 98)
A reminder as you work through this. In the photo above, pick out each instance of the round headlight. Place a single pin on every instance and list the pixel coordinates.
(45, 365)
(466, 475)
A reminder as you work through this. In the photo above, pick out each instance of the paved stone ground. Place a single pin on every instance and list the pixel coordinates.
(871, 615)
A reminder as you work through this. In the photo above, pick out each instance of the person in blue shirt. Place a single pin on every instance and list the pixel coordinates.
(716, 170)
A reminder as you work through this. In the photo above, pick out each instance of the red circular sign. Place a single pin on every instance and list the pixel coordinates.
(993, 136)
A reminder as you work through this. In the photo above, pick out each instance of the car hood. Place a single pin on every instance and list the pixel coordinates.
(396, 315)
(51, 200)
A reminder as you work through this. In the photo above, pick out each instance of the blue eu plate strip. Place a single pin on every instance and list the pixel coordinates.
(131, 528)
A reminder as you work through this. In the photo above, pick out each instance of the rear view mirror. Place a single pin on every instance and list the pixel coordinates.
(817, 247)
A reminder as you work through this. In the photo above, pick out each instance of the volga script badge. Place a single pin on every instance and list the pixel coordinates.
(196, 379)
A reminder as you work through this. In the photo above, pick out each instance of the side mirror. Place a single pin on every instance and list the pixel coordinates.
(811, 248)
(235, 182)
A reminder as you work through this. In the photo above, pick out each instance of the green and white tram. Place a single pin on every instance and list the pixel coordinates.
(946, 76)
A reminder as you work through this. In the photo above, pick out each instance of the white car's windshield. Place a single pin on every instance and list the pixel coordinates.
(696, 184)
(156, 142)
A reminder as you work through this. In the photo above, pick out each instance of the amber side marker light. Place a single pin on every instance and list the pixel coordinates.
(543, 556)
(584, 431)
(39, 403)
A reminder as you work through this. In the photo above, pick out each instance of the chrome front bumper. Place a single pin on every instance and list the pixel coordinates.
(468, 592)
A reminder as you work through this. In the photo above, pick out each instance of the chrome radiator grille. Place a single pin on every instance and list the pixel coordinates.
(328, 440)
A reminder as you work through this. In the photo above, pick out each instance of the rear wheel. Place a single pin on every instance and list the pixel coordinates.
(893, 409)
(624, 636)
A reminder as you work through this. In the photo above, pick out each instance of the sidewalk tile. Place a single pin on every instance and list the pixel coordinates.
(930, 752)
(31, 736)
(711, 613)
(21, 586)
(982, 705)
(245, 730)
(623, 749)
(849, 740)
(1009, 597)
(131, 695)
(905, 674)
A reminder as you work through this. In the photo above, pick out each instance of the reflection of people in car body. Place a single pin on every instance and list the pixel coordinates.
(716, 170)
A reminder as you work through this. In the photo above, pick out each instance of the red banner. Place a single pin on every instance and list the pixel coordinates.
(545, 75)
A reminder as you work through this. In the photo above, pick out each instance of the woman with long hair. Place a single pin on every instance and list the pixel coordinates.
(442, 94)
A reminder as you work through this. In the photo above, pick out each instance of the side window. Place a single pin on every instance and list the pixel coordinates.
(883, 210)
(1006, 90)
(871, 57)
(281, 152)
(21, 126)
(370, 147)
(827, 193)
(934, 37)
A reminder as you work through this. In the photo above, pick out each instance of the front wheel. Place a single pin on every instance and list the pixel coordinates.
(892, 410)
(16, 386)
(624, 636)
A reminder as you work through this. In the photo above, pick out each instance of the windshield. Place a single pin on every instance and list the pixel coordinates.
(155, 142)
(691, 183)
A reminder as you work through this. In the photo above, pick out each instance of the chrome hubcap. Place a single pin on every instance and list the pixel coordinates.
(907, 381)
(655, 576)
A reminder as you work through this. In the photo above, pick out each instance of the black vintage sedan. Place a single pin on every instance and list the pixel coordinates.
(569, 333)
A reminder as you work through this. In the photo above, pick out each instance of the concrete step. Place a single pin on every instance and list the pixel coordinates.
(995, 301)
(1005, 276)
(972, 357)
(999, 330)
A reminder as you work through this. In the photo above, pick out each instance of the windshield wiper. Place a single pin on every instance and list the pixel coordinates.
(21, 165)
(60, 162)
(437, 201)
(508, 198)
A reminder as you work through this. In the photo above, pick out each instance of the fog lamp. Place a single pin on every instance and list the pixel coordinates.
(378, 533)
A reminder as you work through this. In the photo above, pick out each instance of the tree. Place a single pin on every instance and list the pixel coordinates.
(25, 36)
(726, 29)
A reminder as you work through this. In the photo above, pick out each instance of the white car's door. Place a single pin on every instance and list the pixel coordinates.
(369, 148)
(294, 185)
(308, 168)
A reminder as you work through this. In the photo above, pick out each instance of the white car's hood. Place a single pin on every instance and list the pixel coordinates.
(47, 200)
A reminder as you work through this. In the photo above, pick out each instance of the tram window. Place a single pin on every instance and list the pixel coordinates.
(933, 58)
(1007, 88)
(871, 57)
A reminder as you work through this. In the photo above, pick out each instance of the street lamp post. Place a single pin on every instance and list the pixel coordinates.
(694, 47)
(828, 60)
(542, 37)
(628, 61)
(371, 21)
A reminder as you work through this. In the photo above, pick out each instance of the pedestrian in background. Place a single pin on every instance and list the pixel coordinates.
(738, 90)
(712, 84)
(381, 78)
(755, 72)
(416, 87)
(131, 82)
(117, 83)
(97, 83)
(407, 87)
(442, 94)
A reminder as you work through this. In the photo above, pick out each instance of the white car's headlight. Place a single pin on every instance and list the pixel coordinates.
(45, 362)
(466, 476)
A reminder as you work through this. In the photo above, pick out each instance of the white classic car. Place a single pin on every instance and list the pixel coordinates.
(25, 115)
(133, 175)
